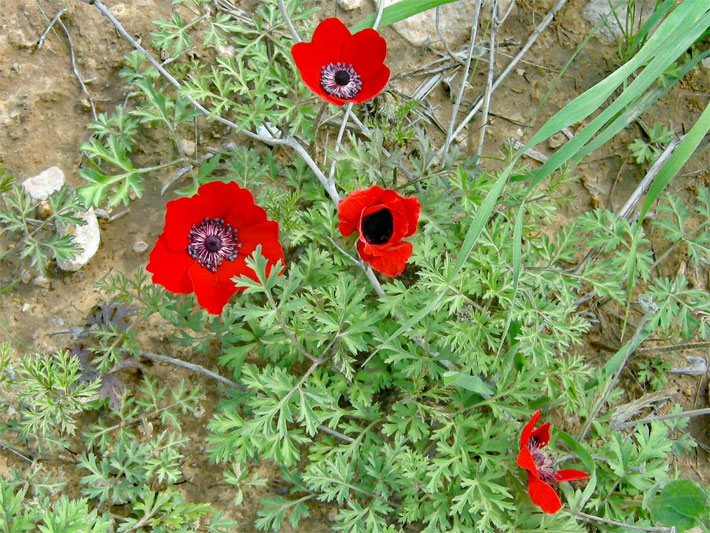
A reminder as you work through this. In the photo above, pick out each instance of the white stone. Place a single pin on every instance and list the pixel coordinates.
(87, 237)
(45, 183)
(140, 246)
(25, 307)
(455, 21)
(41, 281)
(349, 5)
(596, 10)
(188, 147)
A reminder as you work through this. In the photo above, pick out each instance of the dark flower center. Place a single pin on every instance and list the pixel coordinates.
(545, 465)
(342, 77)
(213, 241)
(377, 227)
(340, 80)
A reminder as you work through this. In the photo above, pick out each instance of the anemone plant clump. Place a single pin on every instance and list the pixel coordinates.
(387, 316)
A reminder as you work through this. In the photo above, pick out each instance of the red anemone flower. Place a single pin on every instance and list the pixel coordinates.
(206, 240)
(340, 67)
(540, 467)
(381, 218)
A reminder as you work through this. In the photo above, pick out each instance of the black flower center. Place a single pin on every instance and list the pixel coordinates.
(340, 80)
(377, 227)
(212, 242)
(342, 77)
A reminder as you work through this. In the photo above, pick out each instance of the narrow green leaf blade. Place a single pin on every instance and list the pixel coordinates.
(399, 11)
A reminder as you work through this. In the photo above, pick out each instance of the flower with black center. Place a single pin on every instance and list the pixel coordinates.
(382, 218)
(340, 67)
(206, 240)
(540, 467)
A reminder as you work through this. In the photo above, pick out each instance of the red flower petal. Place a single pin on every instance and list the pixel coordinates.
(173, 267)
(180, 215)
(309, 61)
(373, 86)
(543, 495)
(542, 434)
(526, 461)
(570, 475)
(528, 429)
(244, 213)
(266, 234)
(332, 43)
(366, 50)
(350, 208)
(392, 261)
(412, 210)
(169, 268)
(399, 220)
(331, 34)
(212, 290)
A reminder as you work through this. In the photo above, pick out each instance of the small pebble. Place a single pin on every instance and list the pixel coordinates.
(41, 281)
(44, 210)
(25, 307)
(188, 147)
(557, 140)
(140, 246)
(349, 5)
(226, 50)
(26, 277)
(688, 392)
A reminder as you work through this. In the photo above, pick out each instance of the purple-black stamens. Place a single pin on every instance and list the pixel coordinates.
(340, 80)
(544, 463)
(213, 241)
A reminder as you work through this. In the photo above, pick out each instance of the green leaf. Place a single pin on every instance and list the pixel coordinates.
(471, 383)
(680, 504)
(399, 11)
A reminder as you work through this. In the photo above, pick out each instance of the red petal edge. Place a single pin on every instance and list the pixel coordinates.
(570, 475)
(543, 495)
(528, 429)
(169, 268)
(393, 260)
(351, 207)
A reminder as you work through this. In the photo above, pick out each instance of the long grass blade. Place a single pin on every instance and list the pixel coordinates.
(399, 11)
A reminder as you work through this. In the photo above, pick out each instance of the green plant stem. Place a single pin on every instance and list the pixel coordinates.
(289, 22)
(195, 368)
(344, 123)
(639, 336)
(671, 416)
(591, 518)
(684, 346)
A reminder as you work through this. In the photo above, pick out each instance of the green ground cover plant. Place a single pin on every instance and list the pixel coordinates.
(399, 400)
